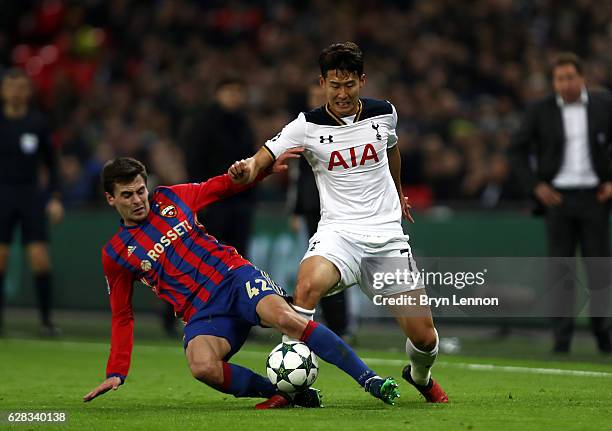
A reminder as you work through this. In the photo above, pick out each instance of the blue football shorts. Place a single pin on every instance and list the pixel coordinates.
(231, 311)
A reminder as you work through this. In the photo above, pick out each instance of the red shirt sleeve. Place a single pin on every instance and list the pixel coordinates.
(200, 195)
(120, 285)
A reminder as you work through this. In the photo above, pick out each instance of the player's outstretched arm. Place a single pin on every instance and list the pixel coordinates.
(247, 170)
(108, 384)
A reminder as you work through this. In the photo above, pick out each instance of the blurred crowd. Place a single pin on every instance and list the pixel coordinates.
(121, 77)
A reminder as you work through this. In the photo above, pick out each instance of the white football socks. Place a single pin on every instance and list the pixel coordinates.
(421, 362)
(305, 313)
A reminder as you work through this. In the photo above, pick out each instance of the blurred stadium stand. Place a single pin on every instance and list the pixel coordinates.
(120, 77)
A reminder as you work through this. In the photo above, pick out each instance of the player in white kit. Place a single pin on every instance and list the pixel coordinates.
(351, 145)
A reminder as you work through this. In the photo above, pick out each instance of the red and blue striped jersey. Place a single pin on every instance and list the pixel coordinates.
(171, 253)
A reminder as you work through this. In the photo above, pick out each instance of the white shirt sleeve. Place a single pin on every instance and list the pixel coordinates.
(392, 137)
(293, 135)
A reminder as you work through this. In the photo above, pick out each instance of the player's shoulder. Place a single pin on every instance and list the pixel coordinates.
(320, 117)
(298, 123)
(167, 200)
(375, 107)
(370, 108)
(174, 194)
(160, 190)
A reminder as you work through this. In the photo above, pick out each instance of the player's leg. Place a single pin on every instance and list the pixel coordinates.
(8, 220)
(421, 335)
(335, 308)
(40, 263)
(324, 266)
(35, 239)
(210, 343)
(274, 311)
(4, 254)
(327, 266)
(205, 355)
(421, 347)
(316, 276)
(415, 320)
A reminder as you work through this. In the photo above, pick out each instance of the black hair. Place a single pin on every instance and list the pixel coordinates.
(345, 56)
(564, 58)
(121, 170)
(230, 80)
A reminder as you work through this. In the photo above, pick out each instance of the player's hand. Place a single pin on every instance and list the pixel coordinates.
(241, 171)
(604, 192)
(280, 165)
(108, 384)
(55, 210)
(406, 209)
(547, 195)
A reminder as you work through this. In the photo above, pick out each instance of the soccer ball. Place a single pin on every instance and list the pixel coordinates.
(292, 366)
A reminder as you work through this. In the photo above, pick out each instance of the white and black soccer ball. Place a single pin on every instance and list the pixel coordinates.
(292, 366)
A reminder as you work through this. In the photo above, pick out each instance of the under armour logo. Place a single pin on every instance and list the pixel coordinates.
(313, 245)
(323, 139)
(375, 127)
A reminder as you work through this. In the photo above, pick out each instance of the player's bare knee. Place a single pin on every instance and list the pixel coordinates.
(425, 340)
(209, 372)
(306, 294)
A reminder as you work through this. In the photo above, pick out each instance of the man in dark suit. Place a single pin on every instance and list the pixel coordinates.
(561, 154)
(213, 138)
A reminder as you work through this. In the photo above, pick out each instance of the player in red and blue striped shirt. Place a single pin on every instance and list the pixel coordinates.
(219, 294)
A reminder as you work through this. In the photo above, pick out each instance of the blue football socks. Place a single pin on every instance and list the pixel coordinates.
(331, 348)
(242, 382)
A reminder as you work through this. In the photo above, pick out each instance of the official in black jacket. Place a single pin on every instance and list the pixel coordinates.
(25, 145)
(561, 154)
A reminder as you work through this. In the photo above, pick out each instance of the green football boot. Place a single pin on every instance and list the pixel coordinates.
(385, 389)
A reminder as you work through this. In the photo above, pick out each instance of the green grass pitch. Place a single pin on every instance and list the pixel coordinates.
(160, 394)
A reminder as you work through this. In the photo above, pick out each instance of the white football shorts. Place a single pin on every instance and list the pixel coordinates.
(346, 251)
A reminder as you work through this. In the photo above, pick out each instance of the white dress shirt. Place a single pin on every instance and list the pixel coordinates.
(576, 169)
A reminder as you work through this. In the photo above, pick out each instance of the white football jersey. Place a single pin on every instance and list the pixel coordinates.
(350, 164)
